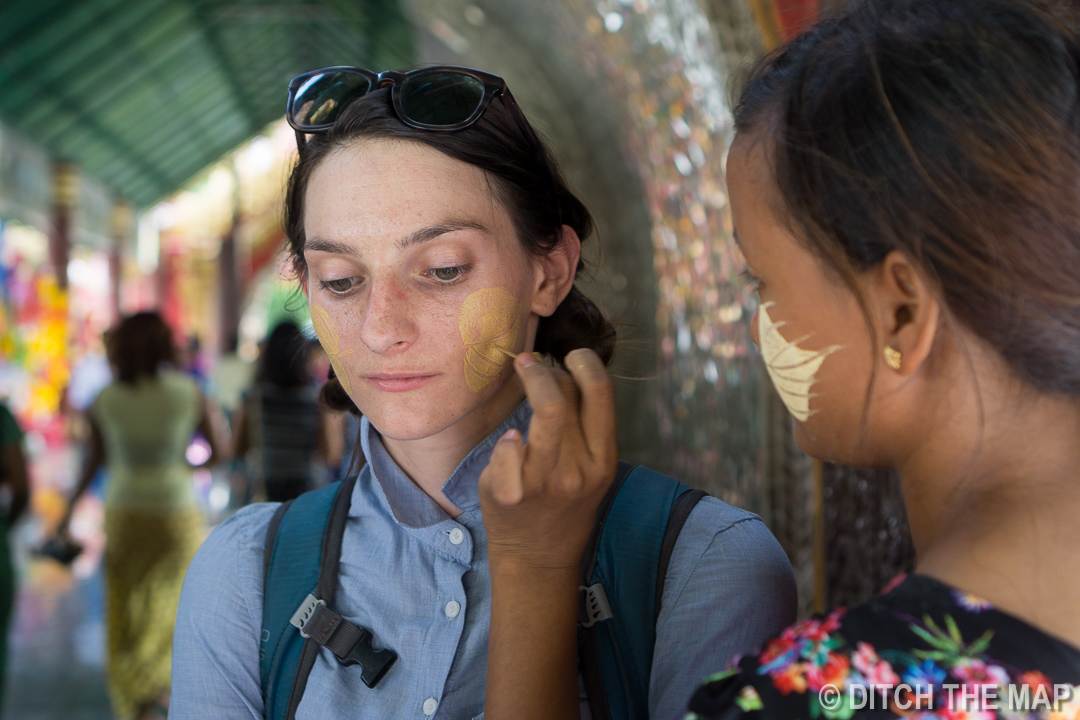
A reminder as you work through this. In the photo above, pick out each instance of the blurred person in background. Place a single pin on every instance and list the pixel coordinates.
(140, 426)
(14, 481)
(191, 360)
(279, 428)
(230, 378)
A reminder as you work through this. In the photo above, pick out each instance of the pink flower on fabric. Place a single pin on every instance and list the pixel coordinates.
(814, 629)
(873, 668)
(972, 671)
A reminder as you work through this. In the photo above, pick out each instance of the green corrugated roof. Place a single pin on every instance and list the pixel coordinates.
(143, 94)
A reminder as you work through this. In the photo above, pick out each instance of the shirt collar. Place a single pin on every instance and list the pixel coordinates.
(411, 506)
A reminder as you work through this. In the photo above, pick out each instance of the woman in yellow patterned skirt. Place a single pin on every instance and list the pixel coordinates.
(140, 428)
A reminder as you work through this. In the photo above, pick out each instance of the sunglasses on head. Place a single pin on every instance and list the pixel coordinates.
(439, 99)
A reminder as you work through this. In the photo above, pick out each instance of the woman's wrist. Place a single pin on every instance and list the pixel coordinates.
(517, 585)
(518, 567)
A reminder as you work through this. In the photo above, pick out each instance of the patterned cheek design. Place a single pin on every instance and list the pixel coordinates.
(490, 322)
(791, 369)
(331, 343)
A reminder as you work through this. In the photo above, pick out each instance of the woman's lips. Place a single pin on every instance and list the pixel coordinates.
(397, 382)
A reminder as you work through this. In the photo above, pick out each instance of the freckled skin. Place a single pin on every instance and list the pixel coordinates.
(397, 317)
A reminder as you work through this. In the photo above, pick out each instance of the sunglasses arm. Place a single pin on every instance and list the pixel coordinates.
(519, 117)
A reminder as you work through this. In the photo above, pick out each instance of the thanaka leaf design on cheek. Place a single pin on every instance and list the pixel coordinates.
(490, 323)
(331, 343)
(792, 370)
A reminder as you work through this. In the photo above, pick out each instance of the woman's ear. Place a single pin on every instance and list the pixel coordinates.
(908, 313)
(555, 273)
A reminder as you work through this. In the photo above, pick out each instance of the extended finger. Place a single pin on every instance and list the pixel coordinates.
(572, 395)
(597, 404)
(549, 411)
(502, 478)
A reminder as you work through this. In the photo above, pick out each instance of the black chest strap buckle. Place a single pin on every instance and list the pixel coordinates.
(350, 643)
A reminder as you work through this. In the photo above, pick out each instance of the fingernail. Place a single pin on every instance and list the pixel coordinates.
(526, 360)
(576, 356)
(510, 436)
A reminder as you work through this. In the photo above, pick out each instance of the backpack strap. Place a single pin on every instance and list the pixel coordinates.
(302, 551)
(588, 643)
(623, 573)
(680, 510)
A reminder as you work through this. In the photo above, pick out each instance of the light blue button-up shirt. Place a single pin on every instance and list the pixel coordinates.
(419, 581)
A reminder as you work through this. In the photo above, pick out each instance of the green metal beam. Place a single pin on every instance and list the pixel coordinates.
(68, 29)
(144, 94)
(210, 32)
(63, 105)
(18, 19)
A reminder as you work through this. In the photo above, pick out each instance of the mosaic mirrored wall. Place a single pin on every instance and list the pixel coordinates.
(661, 57)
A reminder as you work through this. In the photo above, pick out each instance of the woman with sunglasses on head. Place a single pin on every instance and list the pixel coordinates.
(905, 186)
(436, 241)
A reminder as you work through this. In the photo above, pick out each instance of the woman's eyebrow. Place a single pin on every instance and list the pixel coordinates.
(431, 232)
(330, 246)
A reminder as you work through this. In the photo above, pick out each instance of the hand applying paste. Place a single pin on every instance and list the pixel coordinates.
(490, 322)
(791, 369)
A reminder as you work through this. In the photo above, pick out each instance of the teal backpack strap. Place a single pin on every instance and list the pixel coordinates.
(623, 574)
(303, 547)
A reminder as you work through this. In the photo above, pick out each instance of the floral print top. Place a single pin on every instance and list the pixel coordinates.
(921, 650)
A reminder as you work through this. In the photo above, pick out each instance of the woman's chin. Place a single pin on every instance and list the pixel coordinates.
(406, 418)
(431, 410)
(403, 427)
(824, 443)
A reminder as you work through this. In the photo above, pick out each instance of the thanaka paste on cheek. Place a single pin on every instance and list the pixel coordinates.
(490, 323)
(331, 343)
(792, 370)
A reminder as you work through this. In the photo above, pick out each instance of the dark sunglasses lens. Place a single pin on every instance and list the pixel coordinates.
(319, 100)
(441, 98)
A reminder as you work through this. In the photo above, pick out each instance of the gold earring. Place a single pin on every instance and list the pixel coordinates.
(892, 357)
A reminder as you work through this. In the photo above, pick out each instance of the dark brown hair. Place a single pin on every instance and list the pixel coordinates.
(525, 179)
(948, 130)
(139, 345)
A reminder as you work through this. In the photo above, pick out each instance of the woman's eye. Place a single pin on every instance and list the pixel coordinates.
(751, 281)
(447, 274)
(340, 285)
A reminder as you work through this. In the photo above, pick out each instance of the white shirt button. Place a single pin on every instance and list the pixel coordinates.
(453, 608)
(457, 536)
(429, 706)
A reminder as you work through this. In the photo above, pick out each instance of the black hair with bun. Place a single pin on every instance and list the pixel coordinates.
(526, 181)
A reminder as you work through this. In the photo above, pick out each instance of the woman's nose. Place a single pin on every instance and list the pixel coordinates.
(387, 323)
